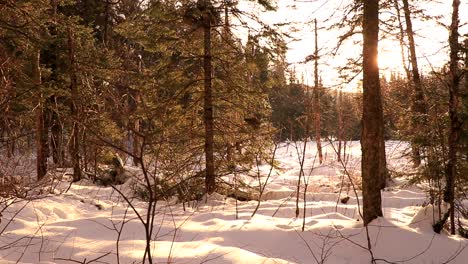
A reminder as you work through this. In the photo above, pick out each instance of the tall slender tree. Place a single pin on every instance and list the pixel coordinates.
(74, 109)
(136, 122)
(41, 135)
(210, 177)
(317, 114)
(455, 122)
(372, 118)
(418, 105)
(340, 128)
(401, 38)
(50, 58)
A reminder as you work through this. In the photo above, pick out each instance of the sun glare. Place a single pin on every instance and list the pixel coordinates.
(389, 61)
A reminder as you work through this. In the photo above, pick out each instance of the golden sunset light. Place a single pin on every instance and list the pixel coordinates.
(234, 131)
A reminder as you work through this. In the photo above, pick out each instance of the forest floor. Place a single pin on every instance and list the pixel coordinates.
(83, 224)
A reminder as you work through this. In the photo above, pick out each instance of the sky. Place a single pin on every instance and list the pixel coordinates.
(431, 37)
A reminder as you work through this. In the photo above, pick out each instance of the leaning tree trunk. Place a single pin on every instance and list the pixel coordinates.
(210, 183)
(417, 103)
(455, 122)
(41, 135)
(372, 117)
(401, 39)
(317, 113)
(75, 133)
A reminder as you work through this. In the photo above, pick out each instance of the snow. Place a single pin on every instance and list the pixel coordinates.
(83, 224)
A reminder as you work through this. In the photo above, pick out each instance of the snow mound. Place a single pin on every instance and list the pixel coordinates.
(426, 217)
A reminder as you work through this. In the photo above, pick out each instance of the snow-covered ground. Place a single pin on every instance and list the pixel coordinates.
(83, 224)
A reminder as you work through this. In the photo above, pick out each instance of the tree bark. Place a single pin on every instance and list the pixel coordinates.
(372, 117)
(401, 38)
(307, 112)
(41, 135)
(75, 134)
(53, 119)
(56, 137)
(340, 125)
(231, 115)
(136, 139)
(455, 122)
(317, 113)
(136, 123)
(105, 36)
(210, 183)
(418, 104)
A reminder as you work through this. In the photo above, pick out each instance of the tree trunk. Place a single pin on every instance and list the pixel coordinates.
(455, 122)
(232, 115)
(317, 113)
(105, 36)
(136, 141)
(136, 124)
(84, 139)
(50, 58)
(307, 111)
(41, 135)
(227, 26)
(340, 125)
(210, 183)
(56, 130)
(372, 117)
(464, 102)
(401, 38)
(418, 105)
(56, 138)
(10, 139)
(75, 134)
